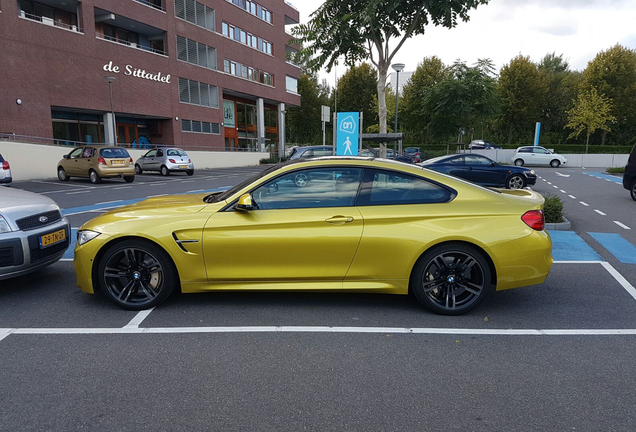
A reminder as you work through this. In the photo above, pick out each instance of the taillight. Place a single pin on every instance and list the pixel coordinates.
(101, 161)
(5, 165)
(172, 160)
(189, 161)
(131, 161)
(534, 219)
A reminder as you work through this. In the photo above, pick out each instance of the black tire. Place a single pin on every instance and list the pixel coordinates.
(129, 179)
(136, 274)
(164, 170)
(301, 179)
(61, 174)
(516, 181)
(555, 163)
(138, 169)
(441, 286)
(632, 190)
(94, 177)
(519, 162)
(190, 172)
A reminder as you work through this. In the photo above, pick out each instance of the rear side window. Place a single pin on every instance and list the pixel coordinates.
(524, 150)
(392, 188)
(113, 153)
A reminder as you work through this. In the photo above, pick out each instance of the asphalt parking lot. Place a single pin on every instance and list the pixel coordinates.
(556, 356)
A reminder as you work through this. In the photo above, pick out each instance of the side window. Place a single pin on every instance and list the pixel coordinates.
(88, 152)
(159, 153)
(393, 188)
(307, 153)
(151, 153)
(539, 151)
(457, 161)
(323, 152)
(525, 150)
(310, 188)
(476, 160)
(76, 153)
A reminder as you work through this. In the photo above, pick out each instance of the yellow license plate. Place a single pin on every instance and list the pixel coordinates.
(53, 238)
(183, 166)
(117, 162)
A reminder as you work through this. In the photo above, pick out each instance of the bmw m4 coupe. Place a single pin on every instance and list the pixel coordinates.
(358, 225)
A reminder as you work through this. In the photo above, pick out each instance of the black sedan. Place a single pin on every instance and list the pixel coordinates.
(482, 170)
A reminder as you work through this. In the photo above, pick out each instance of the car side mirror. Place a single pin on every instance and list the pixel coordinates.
(66, 156)
(493, 164)
(245, 203)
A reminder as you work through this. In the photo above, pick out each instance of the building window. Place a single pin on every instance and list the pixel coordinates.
(253, 8)
(243, 71)
(246, 38)
(196, 53)
(197, 93)
(195, 13)
(200, 127)
(291, 84)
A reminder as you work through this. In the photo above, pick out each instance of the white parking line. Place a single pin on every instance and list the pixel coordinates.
(555, 186)
(600, 212)
(562, 191)
(187, 181)
(622, 225)
(572, 196)
(79, 192)
(138, 319)
(549, 183)
(585, 204)
(60, 184)
(620, 279)
(156, 184)
(122, 187)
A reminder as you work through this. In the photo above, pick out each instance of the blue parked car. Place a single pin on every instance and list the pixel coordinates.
(482, 170)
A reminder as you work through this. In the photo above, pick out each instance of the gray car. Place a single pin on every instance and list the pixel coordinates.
(165, 160)
(33, 232)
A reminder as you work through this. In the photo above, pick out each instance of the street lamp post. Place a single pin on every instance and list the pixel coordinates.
(110, 80)
(397, 67)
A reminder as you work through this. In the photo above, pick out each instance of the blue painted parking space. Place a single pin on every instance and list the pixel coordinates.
(605, 177)
(69, 252)
(568, 246)
(623, 250)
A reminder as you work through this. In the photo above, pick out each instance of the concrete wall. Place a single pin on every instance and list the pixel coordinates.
(574, 160)
(32, 161)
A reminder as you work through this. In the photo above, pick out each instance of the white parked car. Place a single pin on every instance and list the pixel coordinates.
(536, 155)
(33, 232)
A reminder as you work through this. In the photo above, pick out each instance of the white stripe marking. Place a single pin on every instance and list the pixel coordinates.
(620, 279)
(600, 212)
(563, 191)
(59, 184)
(555, 186)
(123, 187)
(549, 183)
(577, 262)
(622, 225)
(156, 184)
(572, 196)
(543, 179)
(585, 204)
(138, 319)
(187, 181)
(78, 192)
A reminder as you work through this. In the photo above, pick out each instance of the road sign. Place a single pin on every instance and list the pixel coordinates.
(348, 133)
(325, 113)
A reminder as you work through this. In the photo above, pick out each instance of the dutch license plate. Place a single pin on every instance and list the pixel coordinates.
(117, 162)
(183, 167)
(53, 238)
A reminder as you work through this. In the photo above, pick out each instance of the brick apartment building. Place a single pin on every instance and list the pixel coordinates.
(196, 73)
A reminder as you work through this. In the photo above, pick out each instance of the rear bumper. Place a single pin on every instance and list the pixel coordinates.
(180, 166)
(6, 180)
(106, 172)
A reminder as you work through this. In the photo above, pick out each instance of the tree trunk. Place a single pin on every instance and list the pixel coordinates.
(382, 112)
(603, 137)
(587, 142)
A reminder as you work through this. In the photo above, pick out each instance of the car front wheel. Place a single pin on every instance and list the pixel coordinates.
(136, 274)
(555, 163)
(633, 190)
(516, 182)
(519, 162)
(452, 279)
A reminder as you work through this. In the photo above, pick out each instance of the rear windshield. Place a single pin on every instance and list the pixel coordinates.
(113, 153)
(176, 152)
(411, 150)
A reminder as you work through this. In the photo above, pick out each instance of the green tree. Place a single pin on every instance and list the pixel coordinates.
(303, 124)
(591, 112)
(356, 90)
(366, 30)
(522, 91)
(613, 73)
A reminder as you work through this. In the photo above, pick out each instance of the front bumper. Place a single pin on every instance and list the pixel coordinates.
(20, 251)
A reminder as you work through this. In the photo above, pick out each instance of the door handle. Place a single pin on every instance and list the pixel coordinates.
(339, 220)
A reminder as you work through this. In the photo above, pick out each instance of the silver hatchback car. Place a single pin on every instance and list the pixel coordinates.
(33, 232)
(165, 160)
(5, 172)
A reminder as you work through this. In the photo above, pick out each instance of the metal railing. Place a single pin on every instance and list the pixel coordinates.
(130, 44)
(50, 22)
(152, 4)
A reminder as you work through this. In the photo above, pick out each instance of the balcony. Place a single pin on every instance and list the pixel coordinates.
(156, 4)
(293, 17)
(125, 31)
(54, 13)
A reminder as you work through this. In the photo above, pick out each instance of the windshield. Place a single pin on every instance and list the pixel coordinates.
(216, 197)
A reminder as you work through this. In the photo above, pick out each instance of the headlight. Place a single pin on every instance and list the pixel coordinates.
(532, 172)
(4, 225)
(85, 236)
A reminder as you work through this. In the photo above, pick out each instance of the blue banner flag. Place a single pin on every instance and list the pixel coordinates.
(347, 135)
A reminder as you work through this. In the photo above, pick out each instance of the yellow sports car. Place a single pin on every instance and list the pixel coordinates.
(327, 224)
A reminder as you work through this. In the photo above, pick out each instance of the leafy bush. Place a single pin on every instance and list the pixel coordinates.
(617, 170)
(272, 160)
(553, 209)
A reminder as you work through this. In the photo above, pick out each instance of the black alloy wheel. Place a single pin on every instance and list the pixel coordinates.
(61, 174)
(516, 181)
(555, 163)
(138, 169)
(94, 177)
(633, 190)
(164, 170)
(519, 162)
(190, 172)
(136, 275)
(452, 279)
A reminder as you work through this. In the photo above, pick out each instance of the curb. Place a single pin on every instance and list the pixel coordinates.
(562, 226)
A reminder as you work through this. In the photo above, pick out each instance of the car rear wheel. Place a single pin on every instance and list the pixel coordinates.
(138, 169)
(94, 177)
(190, 172)
(301, 180)
(61, 174)
(633, 190)
(452, 279)
(519, 162)
(136, 274)
(129, 179)
(164, 170)
(555, 163)
(516, 182)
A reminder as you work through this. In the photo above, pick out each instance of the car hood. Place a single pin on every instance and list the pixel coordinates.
(17, 203)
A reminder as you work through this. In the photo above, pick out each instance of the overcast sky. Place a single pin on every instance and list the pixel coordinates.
(502, 29)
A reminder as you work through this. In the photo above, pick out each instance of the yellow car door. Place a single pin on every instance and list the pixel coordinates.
(295, 234)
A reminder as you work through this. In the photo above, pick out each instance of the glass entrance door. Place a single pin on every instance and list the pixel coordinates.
(127, 133)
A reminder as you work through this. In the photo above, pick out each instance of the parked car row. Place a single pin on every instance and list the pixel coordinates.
(99, 162)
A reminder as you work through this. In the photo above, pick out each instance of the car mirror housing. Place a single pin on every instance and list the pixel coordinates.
(66, 156)
(245, 203)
